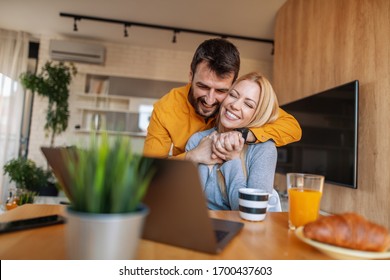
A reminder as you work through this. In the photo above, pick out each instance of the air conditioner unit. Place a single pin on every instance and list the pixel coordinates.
(76, 52)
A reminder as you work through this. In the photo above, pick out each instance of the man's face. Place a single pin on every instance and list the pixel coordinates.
(208, 90)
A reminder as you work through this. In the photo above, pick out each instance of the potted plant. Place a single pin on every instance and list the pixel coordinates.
(52, 82)
(107, 183)
(29, 179)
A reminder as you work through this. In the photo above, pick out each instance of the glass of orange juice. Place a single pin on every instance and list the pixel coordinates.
(304, 198)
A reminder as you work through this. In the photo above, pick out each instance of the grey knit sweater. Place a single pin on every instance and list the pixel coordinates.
(260, 161)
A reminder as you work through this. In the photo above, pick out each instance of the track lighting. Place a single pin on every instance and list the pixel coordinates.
(75, 24)
(174, 36)
(155, 26)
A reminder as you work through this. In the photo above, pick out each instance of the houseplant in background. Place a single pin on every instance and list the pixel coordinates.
(28, 178)
(107, 184)
(53, 83)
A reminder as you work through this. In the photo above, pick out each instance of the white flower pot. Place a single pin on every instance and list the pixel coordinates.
(92, 236)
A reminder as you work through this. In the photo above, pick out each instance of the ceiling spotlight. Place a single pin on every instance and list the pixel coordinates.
(75, 24)
(174, 36)
(125, 33)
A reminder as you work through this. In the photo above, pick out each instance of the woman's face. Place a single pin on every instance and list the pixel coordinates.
(240, 104)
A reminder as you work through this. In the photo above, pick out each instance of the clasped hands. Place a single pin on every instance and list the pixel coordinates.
(218, 148)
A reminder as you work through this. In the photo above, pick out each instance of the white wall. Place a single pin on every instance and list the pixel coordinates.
(121, 60)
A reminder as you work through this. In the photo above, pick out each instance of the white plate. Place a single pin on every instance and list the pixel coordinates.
(339, 252)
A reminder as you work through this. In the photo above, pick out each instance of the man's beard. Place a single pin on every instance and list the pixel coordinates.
(196, 104)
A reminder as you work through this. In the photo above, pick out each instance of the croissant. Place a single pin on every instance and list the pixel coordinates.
(349, 230)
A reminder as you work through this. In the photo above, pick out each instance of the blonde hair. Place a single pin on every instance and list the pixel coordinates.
(267, 111)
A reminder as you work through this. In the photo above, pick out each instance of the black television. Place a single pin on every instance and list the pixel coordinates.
(329, 122)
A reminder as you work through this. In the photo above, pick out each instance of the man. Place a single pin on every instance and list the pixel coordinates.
(192, 108)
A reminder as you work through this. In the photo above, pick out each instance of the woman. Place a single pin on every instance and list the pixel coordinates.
(251, 102)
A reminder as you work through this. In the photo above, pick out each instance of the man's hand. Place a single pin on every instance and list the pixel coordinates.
(227, 146)
(202, 153)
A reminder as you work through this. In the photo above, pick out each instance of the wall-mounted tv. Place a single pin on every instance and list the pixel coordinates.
(329, 122)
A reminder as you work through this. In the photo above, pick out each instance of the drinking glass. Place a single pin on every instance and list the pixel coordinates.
(304, 198)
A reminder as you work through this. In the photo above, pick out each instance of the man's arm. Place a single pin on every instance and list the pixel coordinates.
(157, 142)
(283, 131)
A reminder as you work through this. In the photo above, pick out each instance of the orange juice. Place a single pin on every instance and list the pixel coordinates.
(304, 206)
(11, 205)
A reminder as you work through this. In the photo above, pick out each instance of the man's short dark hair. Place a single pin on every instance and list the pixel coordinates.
(221, 55)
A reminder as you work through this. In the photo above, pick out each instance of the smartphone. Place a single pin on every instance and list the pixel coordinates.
(31, 223)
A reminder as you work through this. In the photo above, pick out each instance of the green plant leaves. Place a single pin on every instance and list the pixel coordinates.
(107, 177)
(53, 83)
(26, 174)
(26, 197)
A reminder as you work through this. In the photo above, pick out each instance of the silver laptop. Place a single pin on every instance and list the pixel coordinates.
(178, 210)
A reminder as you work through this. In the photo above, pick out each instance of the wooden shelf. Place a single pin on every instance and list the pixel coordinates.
(111, 132)
(102, 110)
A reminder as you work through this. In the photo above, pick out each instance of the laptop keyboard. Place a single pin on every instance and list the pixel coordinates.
(220, 234)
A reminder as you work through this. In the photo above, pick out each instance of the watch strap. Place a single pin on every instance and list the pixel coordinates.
(244, 132)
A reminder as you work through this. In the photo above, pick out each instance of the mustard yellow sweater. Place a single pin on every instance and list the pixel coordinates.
(174, 120)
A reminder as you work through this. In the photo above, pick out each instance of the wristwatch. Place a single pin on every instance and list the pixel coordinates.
(244, 132)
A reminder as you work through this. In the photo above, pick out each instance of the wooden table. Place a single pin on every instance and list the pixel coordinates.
(269, 239)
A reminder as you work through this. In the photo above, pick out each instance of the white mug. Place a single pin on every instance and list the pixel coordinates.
(254, 203)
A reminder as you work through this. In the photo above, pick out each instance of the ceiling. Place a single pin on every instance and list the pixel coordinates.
(250, 18)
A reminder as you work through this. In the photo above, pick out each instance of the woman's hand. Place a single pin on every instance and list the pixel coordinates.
(203, 152)
(227, 145)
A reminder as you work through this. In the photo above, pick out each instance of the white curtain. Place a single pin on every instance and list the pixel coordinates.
(13, 61)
